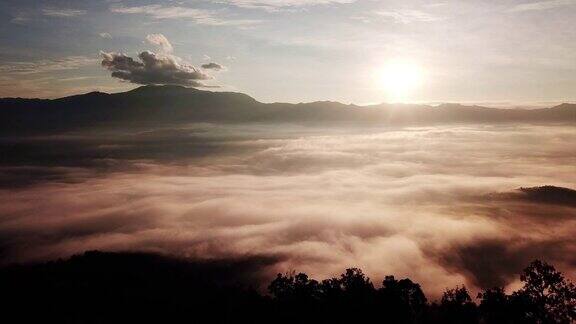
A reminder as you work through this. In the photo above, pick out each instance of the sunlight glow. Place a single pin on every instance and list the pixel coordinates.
(399, 79)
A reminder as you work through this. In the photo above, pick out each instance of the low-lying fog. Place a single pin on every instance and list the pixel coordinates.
(440, 205)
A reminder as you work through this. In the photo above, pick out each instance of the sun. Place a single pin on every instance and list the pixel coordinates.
(399, 79)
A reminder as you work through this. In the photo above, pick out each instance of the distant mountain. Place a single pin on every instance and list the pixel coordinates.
(550, 195)
(160, 105)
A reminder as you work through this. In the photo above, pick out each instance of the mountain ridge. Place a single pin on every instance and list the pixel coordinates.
(176, 105)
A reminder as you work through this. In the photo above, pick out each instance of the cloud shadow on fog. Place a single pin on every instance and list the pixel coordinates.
(77, 157)
(493, 262)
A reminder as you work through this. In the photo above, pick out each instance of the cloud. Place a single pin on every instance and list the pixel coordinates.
(408, 16)
(542, 5)
(20, 19)
(277, 5)
(161, 41)
(63, 13)
(66, 63)
(105, 35)
(161, 12)
(391, 201)
(212, 66)
(199, 16)
(152, 69)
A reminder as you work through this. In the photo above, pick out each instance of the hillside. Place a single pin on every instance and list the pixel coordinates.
(159, 105)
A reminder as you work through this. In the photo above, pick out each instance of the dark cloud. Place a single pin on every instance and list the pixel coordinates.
(152, 69)
(212, 66)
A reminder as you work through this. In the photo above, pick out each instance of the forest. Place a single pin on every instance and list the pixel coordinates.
(105, 287)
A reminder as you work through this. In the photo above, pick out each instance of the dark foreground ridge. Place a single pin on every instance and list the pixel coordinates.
(170, 105)
(99, 287)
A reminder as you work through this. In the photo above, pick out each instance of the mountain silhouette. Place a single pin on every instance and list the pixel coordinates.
(170, 105)
(550, 195)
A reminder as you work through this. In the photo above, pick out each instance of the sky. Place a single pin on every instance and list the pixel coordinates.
(505, 52)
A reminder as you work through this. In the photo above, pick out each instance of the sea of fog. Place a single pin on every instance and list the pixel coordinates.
(440, 205)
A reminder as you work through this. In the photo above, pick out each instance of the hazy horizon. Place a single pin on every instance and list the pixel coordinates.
(499, 104)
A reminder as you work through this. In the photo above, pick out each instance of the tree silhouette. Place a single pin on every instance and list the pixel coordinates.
(403, 300)
(355, 282)
(296, 298)
(497, 307)
(551, 298)
(292, 287)
(456, 306)
(102, 287)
